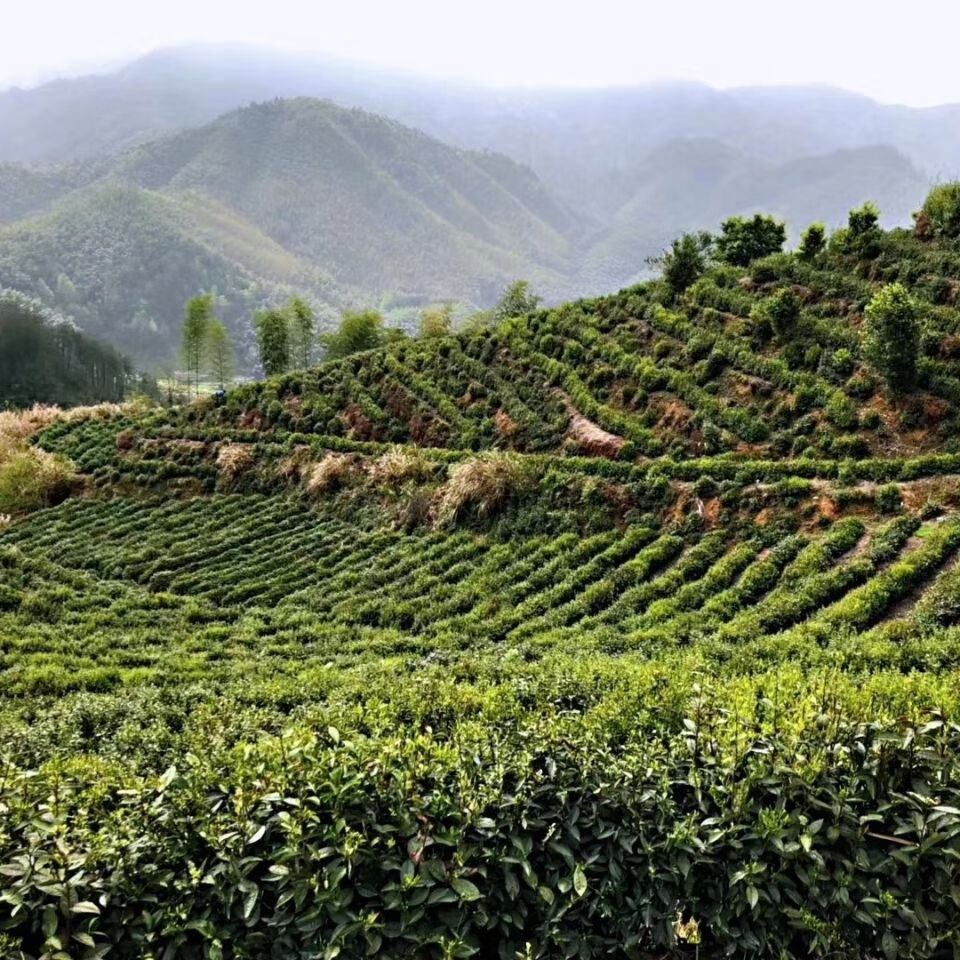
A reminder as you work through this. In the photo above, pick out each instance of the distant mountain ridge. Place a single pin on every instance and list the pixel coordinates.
(575, 140)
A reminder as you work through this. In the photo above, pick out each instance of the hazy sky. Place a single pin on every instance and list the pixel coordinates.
(889, 49)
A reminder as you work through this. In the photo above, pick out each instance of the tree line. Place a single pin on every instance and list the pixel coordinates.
(46, 359)
(287, 336)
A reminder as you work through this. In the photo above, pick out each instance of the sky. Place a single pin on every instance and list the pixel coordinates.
(893, 51)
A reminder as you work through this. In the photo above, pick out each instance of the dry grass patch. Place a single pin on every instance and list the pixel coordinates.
(398, 465)
(30, 477)
(484, 484)
(234, 459)
(333, 471)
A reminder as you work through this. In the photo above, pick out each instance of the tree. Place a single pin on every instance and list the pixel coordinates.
(813, 241)
(940, 213)
(196, 326)
(782, 312)
(219, 354)
(436, 321)
(892, 336)
(685, 261)
(515, 301)
(302, 322)
(863, 235)
(273, 340)
(743, 240)
(475, 322)
(358, 331)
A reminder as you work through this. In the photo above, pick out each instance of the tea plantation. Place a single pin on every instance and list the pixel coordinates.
(626, 628)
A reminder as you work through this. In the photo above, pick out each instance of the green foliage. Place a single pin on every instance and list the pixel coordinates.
(888, 499)
(941, 211)
(303, 330)
(863, 234)
(813, 241)
(195, 337)
(45, 359)
(516, 301)
(744, 240)
(432, 650)
(417, 859)
(892, 335)
(219, 354)
(781, 312)
(436, 321)
(358, 331)
(685, 261)
(273, 340)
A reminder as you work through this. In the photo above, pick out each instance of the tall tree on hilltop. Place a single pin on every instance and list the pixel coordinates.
(219, 353)
(303, 326)
(273, 340)
(196, 327)
(744, 240)
(516, 301)
(436, 321)
(686, 259)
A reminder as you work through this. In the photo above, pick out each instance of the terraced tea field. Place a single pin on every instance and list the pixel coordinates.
(622, 629)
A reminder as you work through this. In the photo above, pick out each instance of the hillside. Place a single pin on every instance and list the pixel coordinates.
(620, 629)
(350, 190)
(276, 198)
(122, 261)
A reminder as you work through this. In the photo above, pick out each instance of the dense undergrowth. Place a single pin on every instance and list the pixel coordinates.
(626, 627)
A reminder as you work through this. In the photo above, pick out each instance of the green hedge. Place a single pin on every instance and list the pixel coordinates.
(551, 839)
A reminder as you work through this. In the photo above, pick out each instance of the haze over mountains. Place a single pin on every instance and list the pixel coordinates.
(124, 194)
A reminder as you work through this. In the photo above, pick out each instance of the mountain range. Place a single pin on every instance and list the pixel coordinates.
(258, 174)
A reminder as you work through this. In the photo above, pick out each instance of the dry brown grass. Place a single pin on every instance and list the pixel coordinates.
(20, 425)
(398, 465)
(333, 471)
(30, 477)
(484, 484)
(234, 459)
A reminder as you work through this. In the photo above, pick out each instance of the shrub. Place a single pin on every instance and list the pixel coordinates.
(888, 499)
(683, 263)
(782, 312)
(813, 241)
(841, 411)
(892, 336)
(863, 235)
(941, 210)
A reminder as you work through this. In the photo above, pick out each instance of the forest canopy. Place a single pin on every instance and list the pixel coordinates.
(46, 359)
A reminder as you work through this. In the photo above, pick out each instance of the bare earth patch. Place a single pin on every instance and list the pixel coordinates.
(594, 440)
